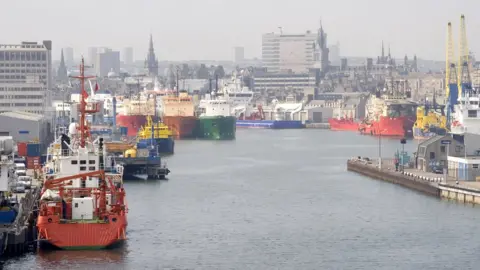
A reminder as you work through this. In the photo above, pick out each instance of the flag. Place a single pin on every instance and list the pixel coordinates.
(96, 87)
(84, 94)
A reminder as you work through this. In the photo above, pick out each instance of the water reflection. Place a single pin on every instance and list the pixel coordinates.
(84, 259)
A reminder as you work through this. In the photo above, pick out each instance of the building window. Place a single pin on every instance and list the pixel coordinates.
(472, 113)
(475, 166)
(83, 168)
(91, 168)
(74, 162)
(83, 162)
(432, 155)
(442, 148)
(91, 162)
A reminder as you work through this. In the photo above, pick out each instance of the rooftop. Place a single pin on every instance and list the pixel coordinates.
(23, 115)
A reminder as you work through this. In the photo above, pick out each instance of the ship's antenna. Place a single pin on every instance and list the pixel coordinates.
(83, 103)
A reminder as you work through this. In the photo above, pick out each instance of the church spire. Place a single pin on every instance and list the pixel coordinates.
(151, 62)
(62, 73)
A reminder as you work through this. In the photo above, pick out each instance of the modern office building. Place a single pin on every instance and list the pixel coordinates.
(25, 76)
(107, 60)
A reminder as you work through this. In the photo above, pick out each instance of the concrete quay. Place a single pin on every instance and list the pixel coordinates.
(427, 183)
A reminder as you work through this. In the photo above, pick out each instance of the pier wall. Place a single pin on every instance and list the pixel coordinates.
(363, 168)
(430, 185)
(460, 194)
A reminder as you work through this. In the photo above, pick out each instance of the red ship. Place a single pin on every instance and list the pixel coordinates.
(132, 122)
(343, 124)
(389, 115)
(389, 126)
(81, 210)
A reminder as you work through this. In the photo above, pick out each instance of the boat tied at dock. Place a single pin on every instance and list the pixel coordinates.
(82, 203)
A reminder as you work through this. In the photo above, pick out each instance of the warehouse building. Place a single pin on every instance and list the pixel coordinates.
(26, 127)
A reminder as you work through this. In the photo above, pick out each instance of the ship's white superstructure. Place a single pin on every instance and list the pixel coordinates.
(466, 115)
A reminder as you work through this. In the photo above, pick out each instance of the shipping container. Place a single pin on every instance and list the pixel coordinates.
(22, 149)
(33, 150)
(33, 162)
(142, 152)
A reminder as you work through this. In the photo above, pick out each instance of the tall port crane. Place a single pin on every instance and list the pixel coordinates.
(464, 78)
(450, 76)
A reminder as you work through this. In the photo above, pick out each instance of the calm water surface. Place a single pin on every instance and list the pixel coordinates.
(280, 200)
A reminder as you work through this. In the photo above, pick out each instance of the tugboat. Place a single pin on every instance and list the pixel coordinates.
(82, 203)
(157, 134)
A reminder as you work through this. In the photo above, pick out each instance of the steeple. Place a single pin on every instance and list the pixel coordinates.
(62, 74)
(151, 62)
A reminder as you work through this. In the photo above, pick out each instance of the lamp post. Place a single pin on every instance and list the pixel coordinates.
(403, 141)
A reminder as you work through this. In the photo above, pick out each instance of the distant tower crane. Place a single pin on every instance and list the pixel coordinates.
(450, 75)
(464, 79)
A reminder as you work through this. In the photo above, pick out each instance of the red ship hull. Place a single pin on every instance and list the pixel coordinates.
(343, 124)
(386, 126)
(82, 235)
(181, 126)
(132, 122)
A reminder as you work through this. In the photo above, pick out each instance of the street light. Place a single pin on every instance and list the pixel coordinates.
(403, 141)
(380, 149)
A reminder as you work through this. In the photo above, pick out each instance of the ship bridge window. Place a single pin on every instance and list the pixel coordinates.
(91, 162)
(91, 168)
(83, 168)
(472, 113)
(74, 162)
(82, 162)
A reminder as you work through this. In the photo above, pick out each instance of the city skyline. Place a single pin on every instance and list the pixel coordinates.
(359, 29)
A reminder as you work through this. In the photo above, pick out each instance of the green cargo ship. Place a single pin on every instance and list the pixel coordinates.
(216, 123)
(216, 127)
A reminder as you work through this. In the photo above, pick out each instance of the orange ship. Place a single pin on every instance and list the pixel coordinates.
(179, 115)
(81, 210)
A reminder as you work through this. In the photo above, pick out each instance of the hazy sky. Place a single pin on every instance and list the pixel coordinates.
(209, 29)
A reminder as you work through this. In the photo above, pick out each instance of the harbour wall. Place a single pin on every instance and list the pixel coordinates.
(418, 181)
(393, 177)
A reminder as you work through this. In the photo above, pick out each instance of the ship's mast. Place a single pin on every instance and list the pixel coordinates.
(83, 103)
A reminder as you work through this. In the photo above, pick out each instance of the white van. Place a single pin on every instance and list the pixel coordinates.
(20, 167)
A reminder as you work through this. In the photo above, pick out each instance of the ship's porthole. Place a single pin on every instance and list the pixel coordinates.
(114, 219)
(49, 220)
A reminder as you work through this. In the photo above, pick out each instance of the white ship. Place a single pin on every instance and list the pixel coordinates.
(466, 116)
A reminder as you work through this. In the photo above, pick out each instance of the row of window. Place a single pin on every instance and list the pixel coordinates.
(21, 96)
(84, 168)
(23, 65)
(22, 89)
(22, 56)
(82, 162)
(23, 71)
(21, 104)
(20, 77)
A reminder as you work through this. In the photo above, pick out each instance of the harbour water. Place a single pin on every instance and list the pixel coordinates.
(280, 199)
